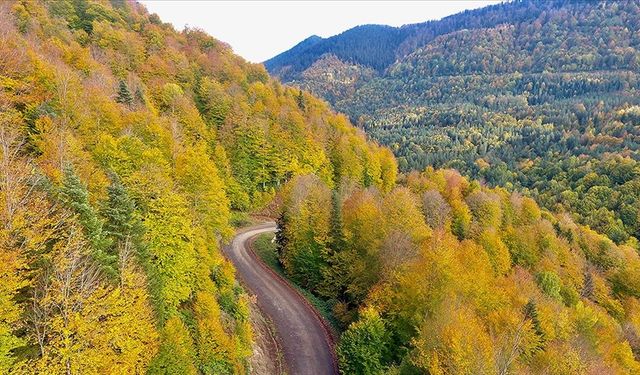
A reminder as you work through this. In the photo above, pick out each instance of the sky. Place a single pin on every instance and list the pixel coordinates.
(259, 30)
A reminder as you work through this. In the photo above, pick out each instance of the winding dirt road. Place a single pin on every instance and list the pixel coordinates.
(306, 342)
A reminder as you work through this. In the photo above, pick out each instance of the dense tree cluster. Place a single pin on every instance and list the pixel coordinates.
(442, 275)
(124, 147)
(513, 94)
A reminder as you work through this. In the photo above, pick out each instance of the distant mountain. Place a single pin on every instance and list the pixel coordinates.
(379, 46)
(534, 95)
(283, 58)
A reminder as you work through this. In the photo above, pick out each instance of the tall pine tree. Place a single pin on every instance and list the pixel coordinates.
(75, 196)
(531, 312)
(124, 95)
(122, 226)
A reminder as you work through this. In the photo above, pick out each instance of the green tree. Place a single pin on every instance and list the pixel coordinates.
(337, 242)
(119, 211)
(124, 95)
(301, 101)
(550, 283)
(122, 223)
(363, 346)
(531, 313)
(169, 233)
(75, 196)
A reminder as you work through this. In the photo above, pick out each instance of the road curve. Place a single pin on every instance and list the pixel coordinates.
(306, 342)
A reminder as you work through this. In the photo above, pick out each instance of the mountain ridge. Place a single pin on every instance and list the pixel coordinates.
(412, 36)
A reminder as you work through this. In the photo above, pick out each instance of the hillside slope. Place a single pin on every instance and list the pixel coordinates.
(125, 145)
(379, 46)
(539, 96)
(444, 276)
(126, 151)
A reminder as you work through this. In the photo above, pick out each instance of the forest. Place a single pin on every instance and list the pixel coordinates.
(441, 275)
(531, 95)
(126, 150)
(379, 46)
(130, 152)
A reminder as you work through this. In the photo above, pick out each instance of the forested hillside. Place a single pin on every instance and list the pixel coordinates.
(443, 276)
(538, 96)
(378, 46)
(125, 146)
(127, 149)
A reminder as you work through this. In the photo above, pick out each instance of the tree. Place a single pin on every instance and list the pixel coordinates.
(308, 225)
(169, 234)
(177, 352)
(59, 301)
(122, 224)
(74, 194)
(300, 100)
(119, 333)
(454, 341)
(215, 348)
(16, 197)
(531, 313)
(400, 208)
(460, 219)
(10, 312)
(363, 346)
(550, 283)
(435, 208)
(337, 242)
(281, 235)
(124, 95)
(365, 230)
(199, 179)
(213, 102)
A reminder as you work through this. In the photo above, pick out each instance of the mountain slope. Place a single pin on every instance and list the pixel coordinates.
(378, 46)
(443, 275)
(127, 150)
(124, 147)
(505, 92)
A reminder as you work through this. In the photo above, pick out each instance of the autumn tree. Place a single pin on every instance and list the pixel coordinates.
(307, 229)
(436, 210)
(169, 235)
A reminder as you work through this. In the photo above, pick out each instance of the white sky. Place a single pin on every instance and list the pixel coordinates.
(259, 30)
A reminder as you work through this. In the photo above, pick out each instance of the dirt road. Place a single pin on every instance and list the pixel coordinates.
(305, 341)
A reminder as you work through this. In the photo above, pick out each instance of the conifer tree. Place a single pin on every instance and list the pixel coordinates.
(139, 96)
(300, 100)
(119, 212)
(337, 241)
(281, 235)
(122, 226)
(124, 95)
(75, 196)
(531, 312)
